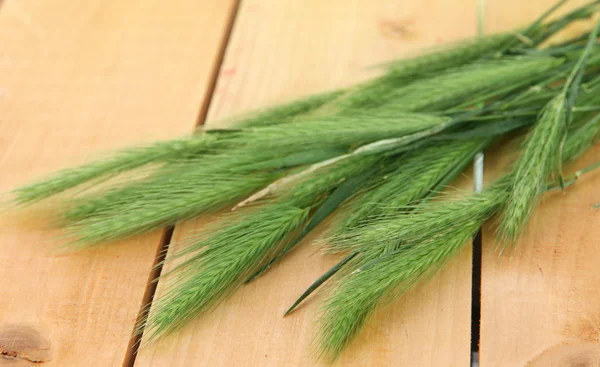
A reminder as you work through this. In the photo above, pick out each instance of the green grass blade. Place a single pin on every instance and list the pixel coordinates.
(120, 162)
(322, 279)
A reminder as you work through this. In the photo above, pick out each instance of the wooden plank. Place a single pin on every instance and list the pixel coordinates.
(539, 304)
(281, 49)
(77, 77)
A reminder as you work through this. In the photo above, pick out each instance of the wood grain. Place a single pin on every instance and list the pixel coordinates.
(78, 77)
(282, 49)
(540, 304)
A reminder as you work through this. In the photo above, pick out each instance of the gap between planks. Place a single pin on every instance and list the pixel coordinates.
(165, 241)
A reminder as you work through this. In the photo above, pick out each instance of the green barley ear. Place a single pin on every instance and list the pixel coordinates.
(346, 312)
(541, 155)
(397, 254)
(452, 87)
(156, 208)
(340, 131)
(537, 162)
(222, 262)
(125, 160)
(368, 95)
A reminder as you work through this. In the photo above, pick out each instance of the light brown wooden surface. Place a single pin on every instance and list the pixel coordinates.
(281, 49)
(76, 78)
(540, 304)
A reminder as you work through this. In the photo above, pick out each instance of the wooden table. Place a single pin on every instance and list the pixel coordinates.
(82, 77)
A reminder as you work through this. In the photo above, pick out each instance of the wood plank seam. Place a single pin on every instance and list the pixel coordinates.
(476, 295)
(136, 337)
(478, 177)
(210, 89)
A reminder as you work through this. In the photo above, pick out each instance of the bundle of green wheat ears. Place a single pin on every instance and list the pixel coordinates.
(373, 158)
